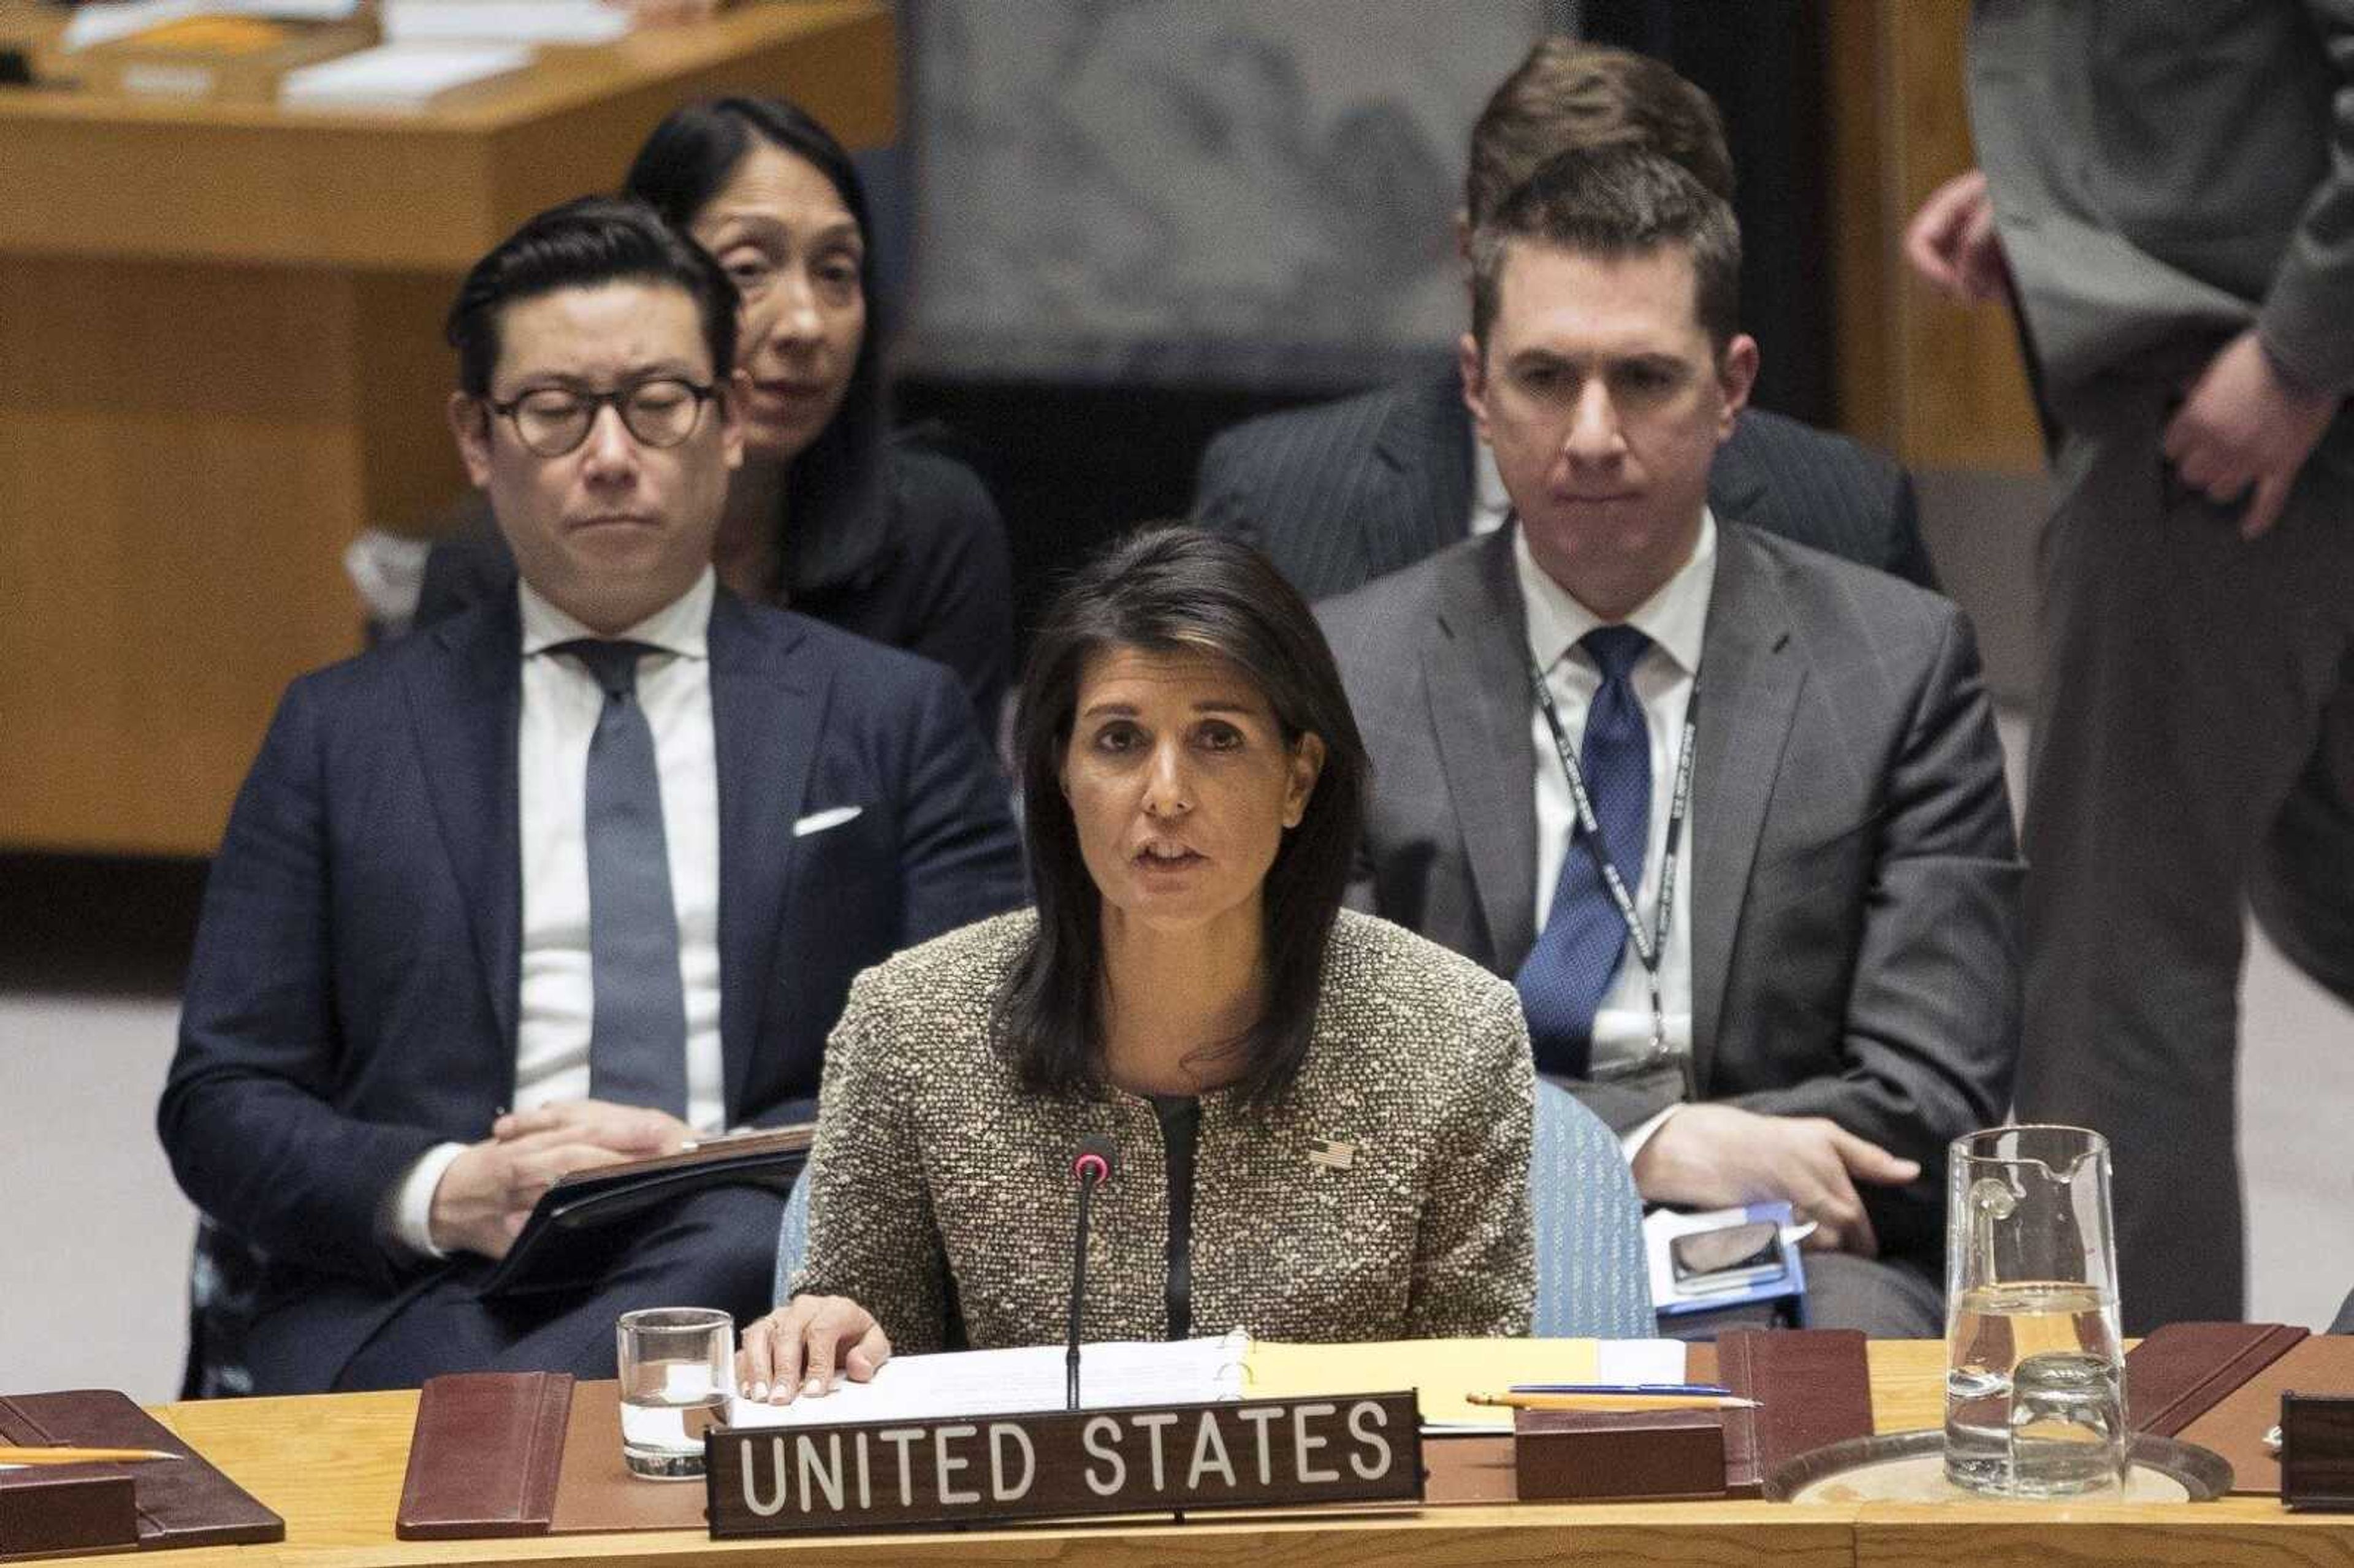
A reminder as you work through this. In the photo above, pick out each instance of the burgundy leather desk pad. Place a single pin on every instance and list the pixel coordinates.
(594, 1491)
(174, 1502)
(2236, 1424)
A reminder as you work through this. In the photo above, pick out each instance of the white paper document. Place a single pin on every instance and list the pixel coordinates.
(507, 21)
(398, 75)
(1445, 1373)
(1188, 1371)
(1018, 1382)
(101, 23)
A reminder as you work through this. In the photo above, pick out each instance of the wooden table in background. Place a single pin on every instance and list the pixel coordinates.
(333, 1467)
(221, 357)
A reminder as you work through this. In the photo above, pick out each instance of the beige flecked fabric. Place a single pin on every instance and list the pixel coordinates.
(930, 1160)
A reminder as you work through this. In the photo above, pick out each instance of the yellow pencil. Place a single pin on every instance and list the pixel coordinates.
(47, 1455)
(1617, 1402)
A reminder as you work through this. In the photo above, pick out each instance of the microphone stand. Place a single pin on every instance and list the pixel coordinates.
(1091, 1169)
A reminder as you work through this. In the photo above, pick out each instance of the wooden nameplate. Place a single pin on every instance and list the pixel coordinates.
(992, 1470)
(1590, 1455)
(593, 1492)
(2316, 1454)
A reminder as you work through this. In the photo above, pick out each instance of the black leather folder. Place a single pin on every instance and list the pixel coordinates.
(582, 1223)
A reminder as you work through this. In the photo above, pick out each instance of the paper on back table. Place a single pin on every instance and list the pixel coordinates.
(399, 76)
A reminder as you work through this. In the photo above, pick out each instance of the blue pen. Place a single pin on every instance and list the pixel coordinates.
(1718, 1389)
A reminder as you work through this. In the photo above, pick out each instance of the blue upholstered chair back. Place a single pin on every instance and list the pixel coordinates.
(224, 1285)
(792, 1236)
(1591, 1279)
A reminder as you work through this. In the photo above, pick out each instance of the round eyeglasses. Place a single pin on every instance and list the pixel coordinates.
(552, 421)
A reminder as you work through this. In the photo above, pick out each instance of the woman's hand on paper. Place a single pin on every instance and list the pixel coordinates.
(807, 1347)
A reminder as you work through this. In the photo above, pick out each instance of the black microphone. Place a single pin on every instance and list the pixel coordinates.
(1091, 1169)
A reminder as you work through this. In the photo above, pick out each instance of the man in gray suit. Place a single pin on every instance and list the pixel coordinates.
(2173, 195)
(1341, 493)
(1809, 986)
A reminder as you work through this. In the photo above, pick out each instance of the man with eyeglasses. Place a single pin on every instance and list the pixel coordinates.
(576, 877)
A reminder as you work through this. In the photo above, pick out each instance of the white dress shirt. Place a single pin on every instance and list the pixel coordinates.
(1490, 503)
(561, 702)
(1676, 620)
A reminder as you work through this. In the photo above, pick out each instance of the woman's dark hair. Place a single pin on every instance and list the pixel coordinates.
(585, 244)
(1175, 590)
(837, 492)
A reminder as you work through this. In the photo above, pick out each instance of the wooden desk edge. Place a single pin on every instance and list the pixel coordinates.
(339, 1494)
(565, 78)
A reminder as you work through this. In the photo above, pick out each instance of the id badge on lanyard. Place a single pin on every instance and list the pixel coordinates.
(1651, 947)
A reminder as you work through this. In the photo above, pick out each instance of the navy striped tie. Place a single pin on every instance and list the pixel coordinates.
(1566, 974)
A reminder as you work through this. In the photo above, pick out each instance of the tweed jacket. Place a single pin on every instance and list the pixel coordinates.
(933, 1165)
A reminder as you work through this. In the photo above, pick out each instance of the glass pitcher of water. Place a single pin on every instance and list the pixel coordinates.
(2035, 1396)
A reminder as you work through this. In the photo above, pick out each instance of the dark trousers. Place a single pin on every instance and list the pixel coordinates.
(2193, 751)
(716, 1248)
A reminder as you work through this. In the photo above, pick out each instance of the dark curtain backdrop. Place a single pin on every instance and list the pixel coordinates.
(1072, 465)
(1762, 61)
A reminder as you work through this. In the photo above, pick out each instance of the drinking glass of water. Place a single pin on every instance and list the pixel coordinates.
(677, 1364)
(2035, 1396)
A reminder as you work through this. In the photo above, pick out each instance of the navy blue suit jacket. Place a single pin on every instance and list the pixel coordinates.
(352, 998)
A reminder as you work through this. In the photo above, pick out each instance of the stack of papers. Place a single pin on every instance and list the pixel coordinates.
(506, 21)
(398, 75)
(1019, 1381)
(1190, 1372)
(103, 23)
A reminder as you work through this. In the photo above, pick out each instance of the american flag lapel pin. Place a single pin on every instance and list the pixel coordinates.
(1336, 1153)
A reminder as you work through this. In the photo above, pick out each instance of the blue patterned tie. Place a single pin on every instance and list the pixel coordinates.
(637, 1043)
(1562, 980)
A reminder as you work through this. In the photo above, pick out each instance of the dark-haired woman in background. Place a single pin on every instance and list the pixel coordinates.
(1322, 1120)
(828, 515)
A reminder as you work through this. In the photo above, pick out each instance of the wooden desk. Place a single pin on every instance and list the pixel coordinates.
(221, 357)
(333, 1467)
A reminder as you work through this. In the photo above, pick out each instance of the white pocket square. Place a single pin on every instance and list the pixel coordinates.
(818, 822)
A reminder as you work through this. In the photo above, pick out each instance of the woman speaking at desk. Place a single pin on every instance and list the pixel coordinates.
(1322, 1122)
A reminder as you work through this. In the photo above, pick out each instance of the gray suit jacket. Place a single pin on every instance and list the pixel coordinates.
(2166, 174)
(1339, 494)
(1854, 881)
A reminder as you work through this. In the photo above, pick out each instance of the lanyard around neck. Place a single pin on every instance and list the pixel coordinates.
(1651, 947)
